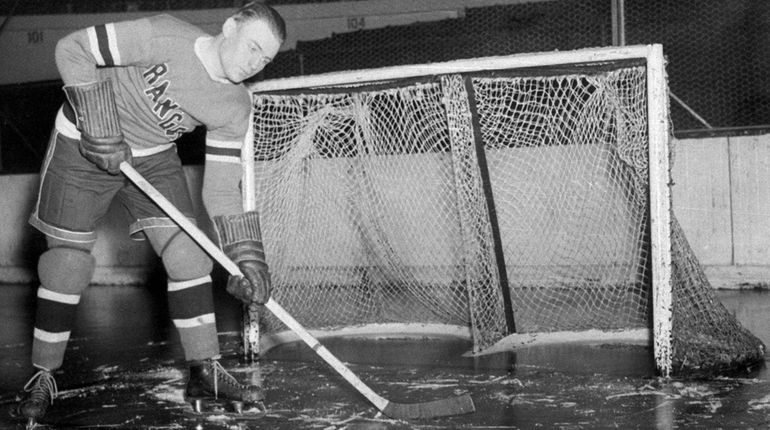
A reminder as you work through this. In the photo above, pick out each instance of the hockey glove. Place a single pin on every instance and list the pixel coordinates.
(240, 238)
(107, 153)
(101, 139)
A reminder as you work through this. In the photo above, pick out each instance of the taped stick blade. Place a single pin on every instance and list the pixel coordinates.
(433, 409)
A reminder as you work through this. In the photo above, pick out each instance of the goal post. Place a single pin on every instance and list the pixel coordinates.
(660, 206)
(528, 192)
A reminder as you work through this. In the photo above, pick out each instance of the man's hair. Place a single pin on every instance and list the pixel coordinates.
(257, 10)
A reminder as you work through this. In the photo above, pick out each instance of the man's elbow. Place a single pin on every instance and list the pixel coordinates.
(64, 52)
(64, 46)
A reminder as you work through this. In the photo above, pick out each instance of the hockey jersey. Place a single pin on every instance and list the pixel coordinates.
(162, 91)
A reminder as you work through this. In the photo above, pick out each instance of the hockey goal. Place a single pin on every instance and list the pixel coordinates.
(491, 197)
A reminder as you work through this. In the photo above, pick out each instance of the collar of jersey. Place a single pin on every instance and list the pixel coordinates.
(199, 53)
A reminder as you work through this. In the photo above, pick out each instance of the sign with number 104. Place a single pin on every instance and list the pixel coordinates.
(356, 22)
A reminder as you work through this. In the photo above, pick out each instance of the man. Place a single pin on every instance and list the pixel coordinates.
(132, 88)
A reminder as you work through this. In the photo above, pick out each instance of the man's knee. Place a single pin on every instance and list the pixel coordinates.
(182, 258)
(66, 269)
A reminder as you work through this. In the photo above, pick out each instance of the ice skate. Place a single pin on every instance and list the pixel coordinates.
(212, 389)
(39, 393)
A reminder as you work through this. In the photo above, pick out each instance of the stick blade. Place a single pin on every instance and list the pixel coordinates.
(433, 409)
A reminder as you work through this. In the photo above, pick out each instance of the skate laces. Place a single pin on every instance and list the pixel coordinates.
(224, 375)
(42, 387)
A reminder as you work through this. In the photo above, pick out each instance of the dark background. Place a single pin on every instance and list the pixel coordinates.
(716, 52)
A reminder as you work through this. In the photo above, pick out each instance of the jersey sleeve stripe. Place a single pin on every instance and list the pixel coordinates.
(232, 144)
(223, 159)
(225, 151)
(93, 40)
(103, 42)
(231, 152)
(112, 41)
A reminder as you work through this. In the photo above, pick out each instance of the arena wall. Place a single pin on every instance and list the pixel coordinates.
(720, 195)
(33, 37)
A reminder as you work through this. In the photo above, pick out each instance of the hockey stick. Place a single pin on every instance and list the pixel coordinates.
(436, 408)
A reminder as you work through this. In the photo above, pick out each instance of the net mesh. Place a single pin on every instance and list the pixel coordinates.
(374, 209)
(568, 166)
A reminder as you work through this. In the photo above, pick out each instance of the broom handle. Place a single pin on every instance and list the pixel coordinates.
(217, 254)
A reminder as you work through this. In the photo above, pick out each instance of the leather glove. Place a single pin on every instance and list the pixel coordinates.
(241, 239)
(96, 115)
(106, 152)
(254, 285)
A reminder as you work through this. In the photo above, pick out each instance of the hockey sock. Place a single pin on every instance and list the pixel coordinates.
(190, 298)
(64, 273)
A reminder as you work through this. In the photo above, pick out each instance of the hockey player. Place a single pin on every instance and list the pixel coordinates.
(132, 88)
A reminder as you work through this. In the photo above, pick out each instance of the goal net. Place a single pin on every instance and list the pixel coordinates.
(494, 197)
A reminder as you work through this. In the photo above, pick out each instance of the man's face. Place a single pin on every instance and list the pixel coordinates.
(247, 48)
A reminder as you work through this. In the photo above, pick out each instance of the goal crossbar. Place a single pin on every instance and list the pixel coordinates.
(649, 53)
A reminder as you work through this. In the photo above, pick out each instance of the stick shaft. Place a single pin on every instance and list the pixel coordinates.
(213, 250)
(324, 353)
(178, 217)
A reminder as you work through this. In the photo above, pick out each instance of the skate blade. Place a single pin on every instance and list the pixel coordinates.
(230, 408)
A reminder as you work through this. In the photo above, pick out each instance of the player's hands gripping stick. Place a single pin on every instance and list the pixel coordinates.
(241, 239)
(101, 139)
